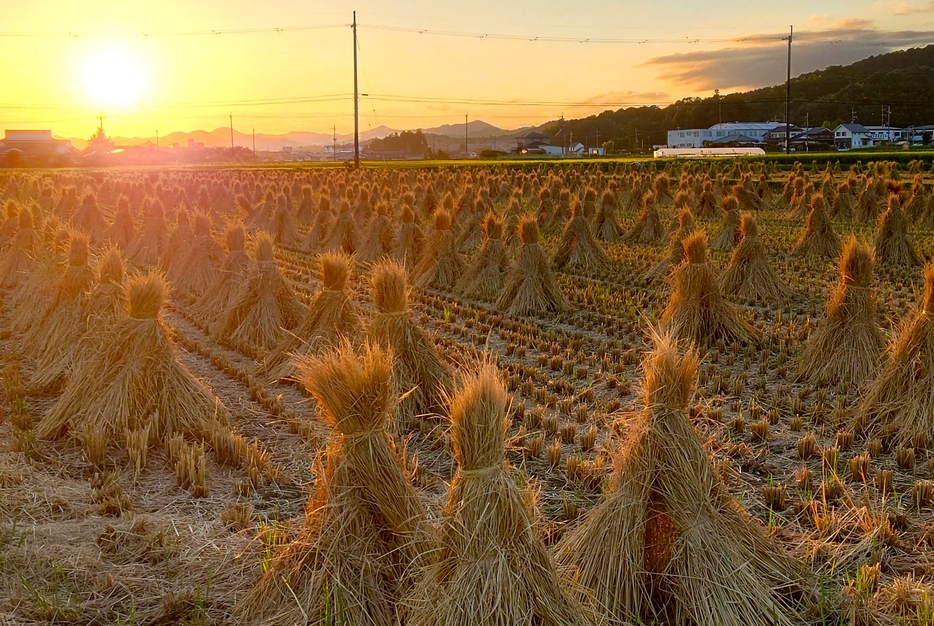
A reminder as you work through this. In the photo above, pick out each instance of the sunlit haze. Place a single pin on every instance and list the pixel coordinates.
(287, 65)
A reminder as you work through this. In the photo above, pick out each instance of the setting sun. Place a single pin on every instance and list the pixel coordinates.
(114, 78)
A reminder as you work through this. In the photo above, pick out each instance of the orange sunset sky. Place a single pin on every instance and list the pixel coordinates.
(186, 64)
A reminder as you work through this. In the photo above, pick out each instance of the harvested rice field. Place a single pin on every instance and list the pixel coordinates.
(691, 393)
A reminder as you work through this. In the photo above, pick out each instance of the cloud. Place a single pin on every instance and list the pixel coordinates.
(908, 8)
(759, 60)
(627, 98)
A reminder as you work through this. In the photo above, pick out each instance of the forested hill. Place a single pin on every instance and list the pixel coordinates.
(901, 80)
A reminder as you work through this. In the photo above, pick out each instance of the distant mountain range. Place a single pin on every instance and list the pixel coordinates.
(220, 137)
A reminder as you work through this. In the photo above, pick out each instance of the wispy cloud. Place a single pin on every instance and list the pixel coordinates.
(911, 8)
(759, 60)
(627, 98)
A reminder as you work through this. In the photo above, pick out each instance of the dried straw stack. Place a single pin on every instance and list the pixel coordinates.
(818, 238)
(409, 238)
(648, 228)
(377, 241)
(578, 250)
(122, 231)
(898, 404)
(264, 308)
(749, 275)
(88, 218)
(152, 236)
(605, 225)
(95, 319)
(283, 228)
(365, 529)
(68, 305)
(892, 244)
(315, 239)
(418, 370)
(697, 312)
(668, 544)
(530, 286)
(729, 235)
(486, 274)
(493, 567)
(133, 382)
(200, 267)
(707, 203)
(675, 248)
(342, 234)
(18, 258)
(332, 318)
(230, 281)
(848, 344)
(442, 264)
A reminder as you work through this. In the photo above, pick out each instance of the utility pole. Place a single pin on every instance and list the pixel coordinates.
(254, 140)
(100, 118)
(791, 35)
(598, 139)
(334, 140)
(807, 130)
(231, 131)
(356, 100)
(157, 139)
(466, 147)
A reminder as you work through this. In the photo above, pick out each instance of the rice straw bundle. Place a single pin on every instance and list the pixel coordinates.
(707, 204)
(10, 224)
(578, 250)
(317, 236)
(662, 189)
(306, 208)
(605, 225)
(892, 243)
(648, 228)
(697, 312)
(32, 298)
(264, 308)
(200, 267)
(419, 373)
(668, 544)
(471, 232)
(49, 336)
(18, 257)
(332, 318)
(151, 238)
(88, 218)
(898, 404)
(675, 248)
(377, 240)
(342, 234)
(409, 238)
(441, 265)
(106, 304)
(493, 567)
(178, 245)
(848, 344)
(818, 238)
(122, 231)
(730, 234)
(365, 528)
(530, 287)
(134, 382)
(283, 228)
(230, 280)
(749, 275)
(485, 276)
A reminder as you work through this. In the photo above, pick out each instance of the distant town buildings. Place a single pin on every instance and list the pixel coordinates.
(33, 147)
(774, 134)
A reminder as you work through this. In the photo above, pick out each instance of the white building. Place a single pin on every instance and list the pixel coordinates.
(695, 137)
(848, 136)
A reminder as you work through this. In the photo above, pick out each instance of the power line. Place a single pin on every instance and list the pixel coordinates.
(178, 33)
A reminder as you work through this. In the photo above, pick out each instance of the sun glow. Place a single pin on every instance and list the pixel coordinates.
(114, 78)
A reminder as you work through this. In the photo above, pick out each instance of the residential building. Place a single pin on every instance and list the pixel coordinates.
(699, 137)
(35, 143)
(848, 136)
(532, 137)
